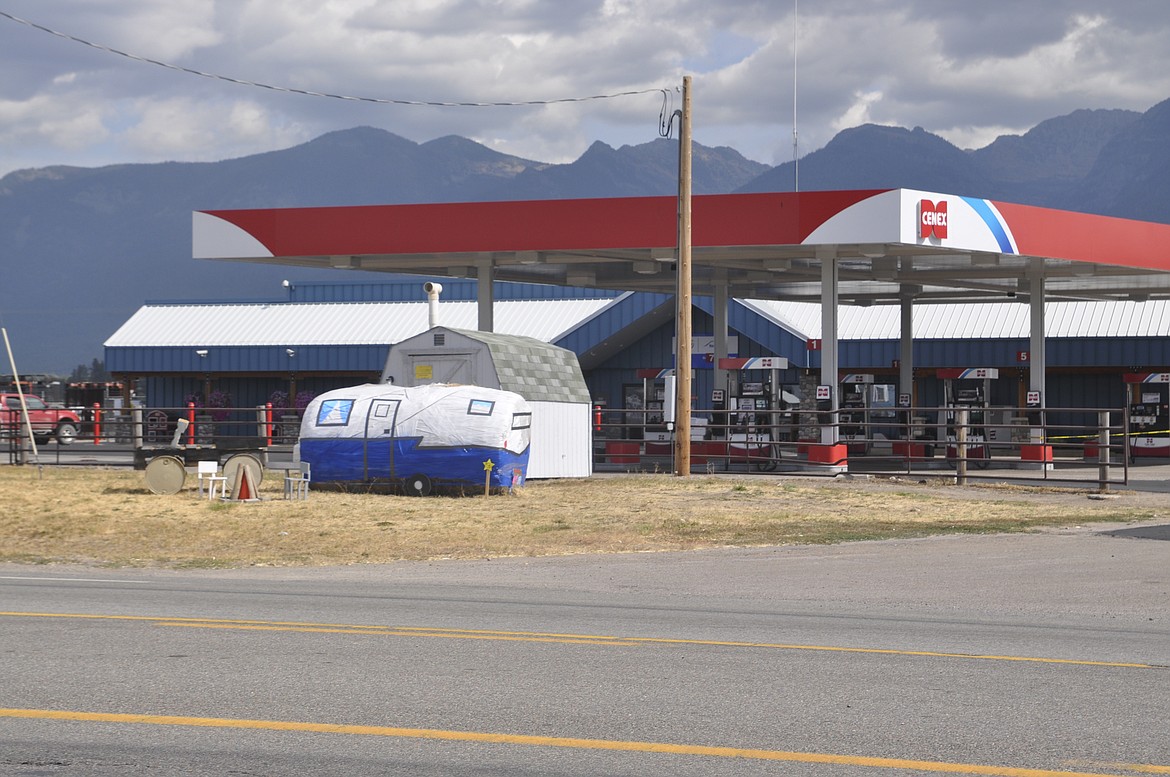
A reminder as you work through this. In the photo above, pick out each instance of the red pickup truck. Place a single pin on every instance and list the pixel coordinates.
(46, 421)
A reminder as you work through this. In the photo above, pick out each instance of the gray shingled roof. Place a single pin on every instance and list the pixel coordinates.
(534, 369)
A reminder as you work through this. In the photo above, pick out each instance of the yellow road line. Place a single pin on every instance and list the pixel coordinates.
(943, 767)
(1120, 767)
(396, 632)
(536, 636)
(890, 651)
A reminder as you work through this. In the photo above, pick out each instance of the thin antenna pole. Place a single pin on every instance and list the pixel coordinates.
(795, 139)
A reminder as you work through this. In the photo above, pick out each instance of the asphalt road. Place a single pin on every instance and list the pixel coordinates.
(977, 655)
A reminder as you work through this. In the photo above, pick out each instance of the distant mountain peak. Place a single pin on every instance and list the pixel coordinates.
(1063, 148)
(133, 222)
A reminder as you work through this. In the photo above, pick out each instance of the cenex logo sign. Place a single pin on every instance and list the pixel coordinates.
(932, 219)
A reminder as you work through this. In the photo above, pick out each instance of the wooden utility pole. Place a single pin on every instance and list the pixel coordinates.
(682, 361)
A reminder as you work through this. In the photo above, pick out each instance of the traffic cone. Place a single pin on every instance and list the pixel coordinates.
(244, 489)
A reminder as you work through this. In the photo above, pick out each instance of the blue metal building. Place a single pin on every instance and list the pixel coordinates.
(326, 335)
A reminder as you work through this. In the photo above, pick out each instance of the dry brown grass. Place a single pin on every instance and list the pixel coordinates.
(100, 516)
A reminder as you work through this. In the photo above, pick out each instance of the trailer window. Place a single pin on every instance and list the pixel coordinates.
(334, 412)
(481, 407)
(521, 420)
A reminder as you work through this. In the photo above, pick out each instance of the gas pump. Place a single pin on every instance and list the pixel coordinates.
(854, 412)
(750, 432)
(717, 430)
(754, 409)
(968, 388)
(1149, 413)
(652, 401)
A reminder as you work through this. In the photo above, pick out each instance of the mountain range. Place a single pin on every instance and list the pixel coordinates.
(83, 248)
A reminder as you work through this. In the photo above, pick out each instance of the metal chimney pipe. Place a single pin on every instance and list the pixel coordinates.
(433, 291)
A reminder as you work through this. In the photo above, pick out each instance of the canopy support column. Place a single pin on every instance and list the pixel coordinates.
(1037, 450)
(485, 293)
(719, 380)
(1037, 358)
(829, 350)
(906, 294)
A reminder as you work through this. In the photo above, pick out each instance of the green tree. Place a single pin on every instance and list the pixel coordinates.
(97, 371)
(94, 373)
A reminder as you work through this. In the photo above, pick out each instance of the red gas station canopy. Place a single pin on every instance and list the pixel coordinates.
(887, 243)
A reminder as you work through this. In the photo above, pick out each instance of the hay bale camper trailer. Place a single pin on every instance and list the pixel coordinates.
(548, 377)
(418, 438)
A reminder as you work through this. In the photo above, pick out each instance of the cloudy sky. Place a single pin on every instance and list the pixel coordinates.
(966, 71)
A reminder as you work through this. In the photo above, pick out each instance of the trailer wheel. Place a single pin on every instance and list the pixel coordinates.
(418, 485)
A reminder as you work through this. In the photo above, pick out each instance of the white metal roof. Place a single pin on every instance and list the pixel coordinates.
(338, 323)
(976, 321)
(381, 323)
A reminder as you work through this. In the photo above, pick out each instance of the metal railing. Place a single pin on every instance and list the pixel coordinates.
(1074, 446)
(260, 426)
(228, 428)
(1077, 446)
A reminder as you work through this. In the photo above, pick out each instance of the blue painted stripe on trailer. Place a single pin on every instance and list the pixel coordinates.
(356, 459)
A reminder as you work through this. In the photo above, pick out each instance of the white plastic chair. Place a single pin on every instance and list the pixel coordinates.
(209, 471)
(296, 482)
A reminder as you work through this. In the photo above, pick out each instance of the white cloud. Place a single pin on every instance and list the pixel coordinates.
(43, 122)
(170, 129)
(961, 71)
(165, 31)
(977, 137)
(858, 112)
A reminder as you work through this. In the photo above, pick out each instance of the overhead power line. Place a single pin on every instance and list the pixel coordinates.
(310, 93)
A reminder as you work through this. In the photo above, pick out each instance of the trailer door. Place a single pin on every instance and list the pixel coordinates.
(378, 450)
